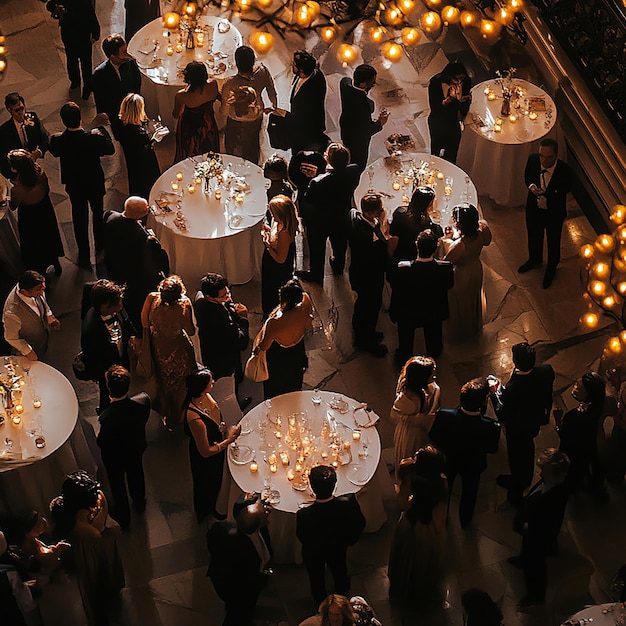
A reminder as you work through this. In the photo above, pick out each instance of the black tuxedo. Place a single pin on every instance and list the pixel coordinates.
(138, 14)
(325, 530)
(325, 210)
(109, 89)
(234, 569)
(99, 351)
(548, 220)
(36, 137)
(465, 440)
(122, 441)
(526, 402)
(357, 126)
(79, 24)
(368, 260)
(223, 335)
(83, 177)
(419, 299)
(295, 174)
(539, 523)
(307, 118)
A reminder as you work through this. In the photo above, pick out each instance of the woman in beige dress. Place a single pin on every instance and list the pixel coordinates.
(414, 409)
(466, 298)
(167, 316)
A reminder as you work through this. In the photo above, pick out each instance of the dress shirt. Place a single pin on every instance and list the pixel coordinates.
(32, 303)
(545, 176)
(13, 324)
(114, 328)
(21, 132)
(298, 83)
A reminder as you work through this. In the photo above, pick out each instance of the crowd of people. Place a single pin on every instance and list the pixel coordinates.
(138, 322)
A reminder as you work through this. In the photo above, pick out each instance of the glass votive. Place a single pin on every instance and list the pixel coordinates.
(174, 185)
(284, 458)
(290, 474)
(346, 445)
(533, 116)
(356, 434)
(487, 90)
(197, 180)
(497, 128)
(271, 459)
(254, 467)
(407, 180)
(440, 175)
(179, 175)
(396, 185)
(37, 402)
(200, 39)
(239, 198)
(491, 96)
(324, 455)
(191, 188)
(218, 195)
(335, 464)
(19, 408)
(512, 118)
(273, 468)
(16, 418)
(405, 199)
(179, 46)
(169, 50)
(298, 467)
(278, 434)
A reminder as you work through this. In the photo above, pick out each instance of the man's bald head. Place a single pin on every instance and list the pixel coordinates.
(135, 207)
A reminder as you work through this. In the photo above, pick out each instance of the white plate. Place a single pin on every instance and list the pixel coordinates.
(359, 475)
(240, 455)
(365, 419)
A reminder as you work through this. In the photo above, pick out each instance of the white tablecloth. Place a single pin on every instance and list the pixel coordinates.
(33, 476)
(379, 177)
(10, 255)
(496, 160)
(209, 244)
(373, 476)
(162, 75)
(599, 615)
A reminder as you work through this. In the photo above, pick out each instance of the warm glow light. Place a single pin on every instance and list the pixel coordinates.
(3, 65)
(622, 336)
(410, 35)
(434, 4)
(303, 16)
(469, 18)
(328, 33)
(190, 9)
(516, 5)
(262, 41)
(450, 14)
(604, 243)
(171, 20)
(314, 8)
(489, 28)
(347, 53)
(601, 270)
(504, 16)
(264, 4)
(619, 214)
(377, 34)
(621, 233)
(590, 320)
(587, 251)
(407, 6)
(430, 21)
(621, 287)
(614, 345)
(609, 302)
(392, 51)
(393, 16)
(598, 287)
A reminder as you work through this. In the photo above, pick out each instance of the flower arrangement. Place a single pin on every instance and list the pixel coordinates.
(213, 167)
(505, 80)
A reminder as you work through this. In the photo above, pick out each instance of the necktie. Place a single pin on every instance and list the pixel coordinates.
(23, 137)
(543, 178)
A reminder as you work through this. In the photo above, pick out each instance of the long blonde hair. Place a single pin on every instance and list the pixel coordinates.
(133, 110)
(284, 211)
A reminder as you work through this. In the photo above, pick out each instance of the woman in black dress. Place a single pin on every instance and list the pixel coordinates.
(40, 240)
(280, 250)
(141, 160)
(207, 441)
(449, 98)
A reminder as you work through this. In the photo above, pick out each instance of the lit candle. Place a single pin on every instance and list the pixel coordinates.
(407, 180)
(498, 121)
(169, 50)
(19, 408)
(491, 95)
(197, 180)
(271, 459)
(16, 418)
(254, 467)
(405, 199)
(346, 445)
(179, 175)
(487, 90)
(356, 435)
(335, 464)
(298, 467)
(324, 455)
(278, 434)
(200, 39)
(440, 176)
(396, 185)
(497, 128)
(284, 458)
(532, 116)
(191, 188)
(37, 403)
(174, 185)
(273, 468)
(239, 198)
(290, 474)
(179, 46)
(512, 118)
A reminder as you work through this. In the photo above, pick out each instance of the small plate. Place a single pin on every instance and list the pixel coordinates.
(339, 405)
(359, 475)
(365, 419)
(240, 455)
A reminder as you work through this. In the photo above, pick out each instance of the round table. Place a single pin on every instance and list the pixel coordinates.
(599, 615)
(389, 172)
(365, 475)
(496, 159)
(31, 476)
(163, 73)
(210, 244)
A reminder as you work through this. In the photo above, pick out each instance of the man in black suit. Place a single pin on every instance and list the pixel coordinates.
(223, 329)
(307, 118)
(122, 441)
(426, 280)
(82, 175)
(368, 260)
(239, 555)
(23, 130)
(356, 123)
(133, 255)
(325, 210)
(303, 167)
(524, 406)
(548, 180)
(138, 14)
(105, 333)
(465, 436)
(113, 79)
(539, 523)
(79, 29)
(325, 530)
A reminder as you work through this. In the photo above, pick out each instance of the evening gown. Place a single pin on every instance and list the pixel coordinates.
(273, 276)
(171, 325)
(406, 229)
(196, 132)
(141, 160)
(206, 472)
(40, 240)
(466, 298)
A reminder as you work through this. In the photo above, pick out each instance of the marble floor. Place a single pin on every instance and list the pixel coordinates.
(164, 552)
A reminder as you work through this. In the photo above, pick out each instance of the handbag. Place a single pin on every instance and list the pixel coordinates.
(256, 366)
(144, 362)
(278, 131)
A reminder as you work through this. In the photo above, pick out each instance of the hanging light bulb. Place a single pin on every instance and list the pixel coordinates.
(504, 16)
(587, 251)
(171, 20)
(430, 22)
(619, 214)
(314, 8)
(264, 4)
(392, 51)
(393, 16)
(377, 34)
(614, 345)
(303, 16)
(469, 18)
(407, 6)
(601, 270)
(489, 28)
(609, 302)
(597, 287)
(621, 287)
(190, 9)
(410, 35)
(328, 33)
(604, 243)
(590, 320)
(516, 5)
(450, 14)
(347, 54)
(434, 4)
(262, 42)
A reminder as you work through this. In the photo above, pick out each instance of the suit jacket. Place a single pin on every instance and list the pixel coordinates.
(99, 352)
(526, 401)
(36, 137)
(329, 196)
(326, 529)
(307, 117)
(80, 152)
(355, 120)
(297, 177)
(445, 117)
(123, 427)
(368, 253)
(78, 21)
(556, 193)
(109, 89)
(420, 292)
(34, 329)
(223, 335)
(465, 439)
